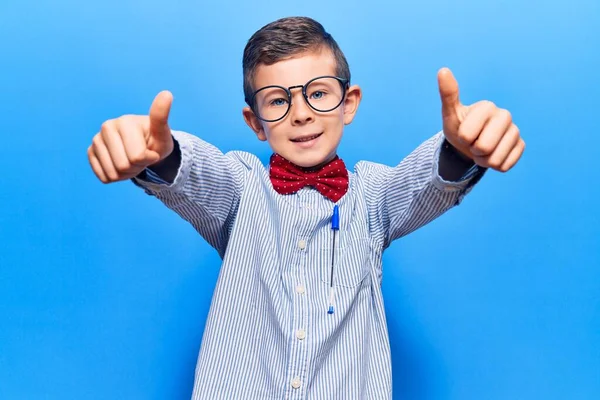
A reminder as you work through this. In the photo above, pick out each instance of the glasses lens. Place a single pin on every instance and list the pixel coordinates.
(271, 103)
(325, 94)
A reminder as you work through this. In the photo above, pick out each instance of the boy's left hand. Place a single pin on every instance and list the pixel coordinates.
(480, 131)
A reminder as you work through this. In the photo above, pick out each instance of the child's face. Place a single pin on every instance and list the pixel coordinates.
(303, 122)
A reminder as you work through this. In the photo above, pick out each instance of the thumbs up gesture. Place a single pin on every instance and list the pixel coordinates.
(481, 131)
(125, 146)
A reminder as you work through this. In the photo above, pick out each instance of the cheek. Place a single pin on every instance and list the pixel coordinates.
(335, 122)
(272, 131)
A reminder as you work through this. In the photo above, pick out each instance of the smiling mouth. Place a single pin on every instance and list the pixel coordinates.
(306, 138)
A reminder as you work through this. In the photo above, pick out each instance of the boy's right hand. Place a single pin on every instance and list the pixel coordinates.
(125, 146)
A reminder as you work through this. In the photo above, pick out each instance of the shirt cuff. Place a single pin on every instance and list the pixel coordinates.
(153, 177)
(466, 170)
(152, 183)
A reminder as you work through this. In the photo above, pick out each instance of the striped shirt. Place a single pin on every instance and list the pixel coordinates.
(268, 334)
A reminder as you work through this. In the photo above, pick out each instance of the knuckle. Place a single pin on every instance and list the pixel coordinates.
(138, 158)
(484, 105)
(97, 140)
(126, 117)
(125, 122)
(107, 125)
(122, 166)
(100, 177)
(113, 176)
(463, 135)
(120, 122)
(495, 163)
(517, 131)
(483, 148)
(489, 104)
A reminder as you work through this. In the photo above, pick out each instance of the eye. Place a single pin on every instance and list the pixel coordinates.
(318, 94)
(278, 102)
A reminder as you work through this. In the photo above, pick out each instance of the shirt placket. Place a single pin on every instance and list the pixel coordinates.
(300, 334)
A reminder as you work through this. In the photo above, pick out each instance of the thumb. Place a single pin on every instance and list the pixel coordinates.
(449, 95)
(159, 117)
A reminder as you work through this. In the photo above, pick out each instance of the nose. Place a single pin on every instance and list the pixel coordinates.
(300, 112)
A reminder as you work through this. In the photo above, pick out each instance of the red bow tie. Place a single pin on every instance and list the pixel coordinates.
(331, 180)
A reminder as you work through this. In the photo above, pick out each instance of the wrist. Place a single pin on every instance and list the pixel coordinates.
(168, 167)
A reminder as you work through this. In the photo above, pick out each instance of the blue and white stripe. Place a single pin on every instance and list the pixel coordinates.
(268, 333)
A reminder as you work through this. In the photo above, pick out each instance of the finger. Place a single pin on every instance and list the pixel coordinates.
(112, 139)
(514, 156)
(159, 116)
(474, 122)
(104, 158)
(495, 160)
(492, 133)
(448, 87)
(132, 137)
(504, 148)
(96, 167)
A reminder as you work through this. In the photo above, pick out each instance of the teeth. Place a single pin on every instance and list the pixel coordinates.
(307, 138)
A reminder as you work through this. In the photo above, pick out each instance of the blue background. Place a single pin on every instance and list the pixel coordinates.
(104, 292)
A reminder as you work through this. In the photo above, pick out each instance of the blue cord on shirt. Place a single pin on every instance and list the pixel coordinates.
(335, 226)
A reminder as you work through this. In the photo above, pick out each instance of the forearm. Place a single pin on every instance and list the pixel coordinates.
(413, 193)
(204, 189)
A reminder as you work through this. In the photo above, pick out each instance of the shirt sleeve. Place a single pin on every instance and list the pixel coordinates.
(408, 196)
(206, 191)
(452, 165)
(152, 177)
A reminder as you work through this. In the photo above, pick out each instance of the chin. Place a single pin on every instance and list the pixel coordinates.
(311, 161)
(307, 164)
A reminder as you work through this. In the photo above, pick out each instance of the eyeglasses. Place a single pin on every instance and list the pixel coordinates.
(323, 94)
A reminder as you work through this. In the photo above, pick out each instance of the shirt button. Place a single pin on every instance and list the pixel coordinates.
(302, 244)
(296, 383)
(300, 334)
(300, 289)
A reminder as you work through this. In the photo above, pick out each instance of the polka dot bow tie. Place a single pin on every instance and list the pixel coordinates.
(331, 180)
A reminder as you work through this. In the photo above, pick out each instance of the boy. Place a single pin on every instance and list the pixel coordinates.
(297, 311)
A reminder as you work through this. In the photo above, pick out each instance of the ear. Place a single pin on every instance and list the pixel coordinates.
(254, 123)
(353, 97)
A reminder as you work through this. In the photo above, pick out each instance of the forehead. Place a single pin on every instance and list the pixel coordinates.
(296, 70)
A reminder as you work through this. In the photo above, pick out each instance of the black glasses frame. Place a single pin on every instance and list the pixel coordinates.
(344, 83)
